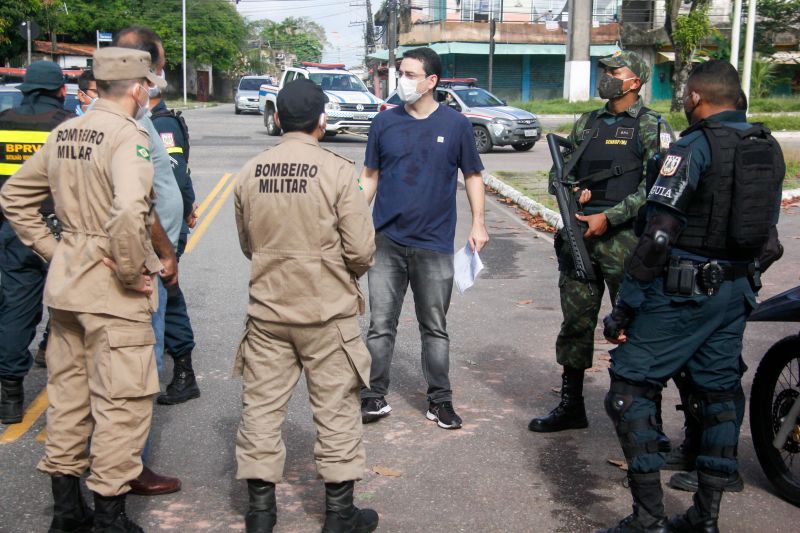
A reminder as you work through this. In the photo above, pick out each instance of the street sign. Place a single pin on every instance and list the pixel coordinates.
(104, 37)
(23, 29)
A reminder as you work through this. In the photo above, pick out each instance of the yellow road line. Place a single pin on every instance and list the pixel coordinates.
(201, 229)
(208, 199)
(32, 414)
(41, 436)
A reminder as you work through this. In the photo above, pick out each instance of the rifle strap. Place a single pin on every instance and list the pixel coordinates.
(576, 155)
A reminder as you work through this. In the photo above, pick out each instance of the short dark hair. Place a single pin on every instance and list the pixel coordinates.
(85, 79)
(305, 126)
(139, 38)
(431, 62)
(717, 81)
(741, 102)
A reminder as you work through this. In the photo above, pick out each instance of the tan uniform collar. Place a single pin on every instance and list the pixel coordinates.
(300, 136)
(104, 104)
(632, 110)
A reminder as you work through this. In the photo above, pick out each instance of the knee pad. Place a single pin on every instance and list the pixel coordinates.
(700, 406)
(619, 399)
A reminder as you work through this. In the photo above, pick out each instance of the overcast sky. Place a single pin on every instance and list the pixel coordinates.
(346, 42)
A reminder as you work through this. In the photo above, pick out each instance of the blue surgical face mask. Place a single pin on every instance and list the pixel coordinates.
(154, 91)
(79, 110)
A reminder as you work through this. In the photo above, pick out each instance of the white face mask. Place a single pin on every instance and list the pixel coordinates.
(142, 110)
(407, 90)
(154, 91)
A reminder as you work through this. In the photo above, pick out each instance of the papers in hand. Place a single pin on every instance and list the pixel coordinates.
(466, 264)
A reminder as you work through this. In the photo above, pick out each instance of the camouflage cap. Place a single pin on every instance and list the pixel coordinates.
(632, 60)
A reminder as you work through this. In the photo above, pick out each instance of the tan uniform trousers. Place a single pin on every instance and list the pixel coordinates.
(336, 363)
(101, 375)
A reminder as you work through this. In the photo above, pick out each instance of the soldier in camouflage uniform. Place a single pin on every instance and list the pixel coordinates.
(622, 137)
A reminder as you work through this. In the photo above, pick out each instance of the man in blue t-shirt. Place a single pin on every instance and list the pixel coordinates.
(413, 156)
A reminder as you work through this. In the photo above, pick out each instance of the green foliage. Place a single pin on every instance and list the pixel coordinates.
(299, 36)
(215, 32)
(776, 16)
(12, 14)
(762, 77)
(691, 29)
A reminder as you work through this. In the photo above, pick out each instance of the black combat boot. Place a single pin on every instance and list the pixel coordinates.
(11, 397)
(110, 517)
(648, 506)
(570, 413)
(702, 516)
(183, 386)
(263, 511)
(70, 512)
(341, 516)
(688, 481)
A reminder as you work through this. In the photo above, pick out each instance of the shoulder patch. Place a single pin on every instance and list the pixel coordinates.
(168, 138)
(666, 140)
(142, 152)
(671, 164)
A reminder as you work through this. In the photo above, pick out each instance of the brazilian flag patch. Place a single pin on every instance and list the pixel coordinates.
(143, 152)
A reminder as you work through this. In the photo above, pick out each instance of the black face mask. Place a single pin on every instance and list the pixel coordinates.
(609, 87)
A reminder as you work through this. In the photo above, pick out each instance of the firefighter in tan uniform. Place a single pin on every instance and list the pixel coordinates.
(306, 229)
(101, 369)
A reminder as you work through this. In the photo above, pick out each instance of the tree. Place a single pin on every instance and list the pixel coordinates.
(215, 32)
(12, 14)
(774, 17)
(298, 36)
(685, 32)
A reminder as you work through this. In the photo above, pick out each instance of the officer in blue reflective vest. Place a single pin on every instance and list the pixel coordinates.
(689, 287)
(23, 130)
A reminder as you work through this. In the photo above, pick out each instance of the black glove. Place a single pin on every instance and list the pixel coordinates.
(619, 319)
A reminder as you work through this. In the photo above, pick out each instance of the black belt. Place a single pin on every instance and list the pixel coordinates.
(686, 277)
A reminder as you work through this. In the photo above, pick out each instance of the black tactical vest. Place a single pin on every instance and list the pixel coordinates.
(178, 117)
(730, 213)
(611, 166)
(23, 135)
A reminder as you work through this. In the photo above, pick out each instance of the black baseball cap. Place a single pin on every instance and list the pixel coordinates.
(300, 103)
(42, 75)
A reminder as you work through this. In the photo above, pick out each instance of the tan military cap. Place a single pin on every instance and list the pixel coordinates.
(113, 63)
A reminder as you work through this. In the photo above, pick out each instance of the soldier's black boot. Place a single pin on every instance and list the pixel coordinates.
(11, 398)
(702, 516)
(570, 413)
(648, 506)
(183, 386)
(263, 511)
(341, 516)
(110, 517)
(70, 512)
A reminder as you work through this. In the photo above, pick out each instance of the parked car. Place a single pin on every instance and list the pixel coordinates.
(10, 96)
(351, 107)
(493, 122)
(245, 97)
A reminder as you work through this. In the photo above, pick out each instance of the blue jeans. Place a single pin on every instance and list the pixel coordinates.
(22, 277)
(158, 349)
(430, 275)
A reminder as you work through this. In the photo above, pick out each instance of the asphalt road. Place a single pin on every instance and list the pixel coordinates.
(491, 476)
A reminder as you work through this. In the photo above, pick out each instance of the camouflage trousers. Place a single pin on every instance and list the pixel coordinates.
(581, 300)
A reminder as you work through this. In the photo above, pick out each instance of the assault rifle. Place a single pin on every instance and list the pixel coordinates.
(568, 206)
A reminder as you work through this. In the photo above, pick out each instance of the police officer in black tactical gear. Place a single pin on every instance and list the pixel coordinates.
(23, 130)
(689, 287)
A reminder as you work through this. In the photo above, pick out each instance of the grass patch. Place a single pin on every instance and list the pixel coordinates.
(532, 184)
(563, 107)
(190, 104)
(792, 180)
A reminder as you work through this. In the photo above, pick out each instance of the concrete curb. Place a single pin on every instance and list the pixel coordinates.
(790, 193)
(553, 218)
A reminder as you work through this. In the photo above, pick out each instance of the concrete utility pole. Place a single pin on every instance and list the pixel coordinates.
(492, 30)
(28, 27)
(492, 33)
(736, 29)
(391, 42)
(183, 14)
(577, 69)
(369, 35)
(748, 47)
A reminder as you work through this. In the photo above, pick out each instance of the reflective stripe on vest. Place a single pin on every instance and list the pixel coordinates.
(17, 146)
